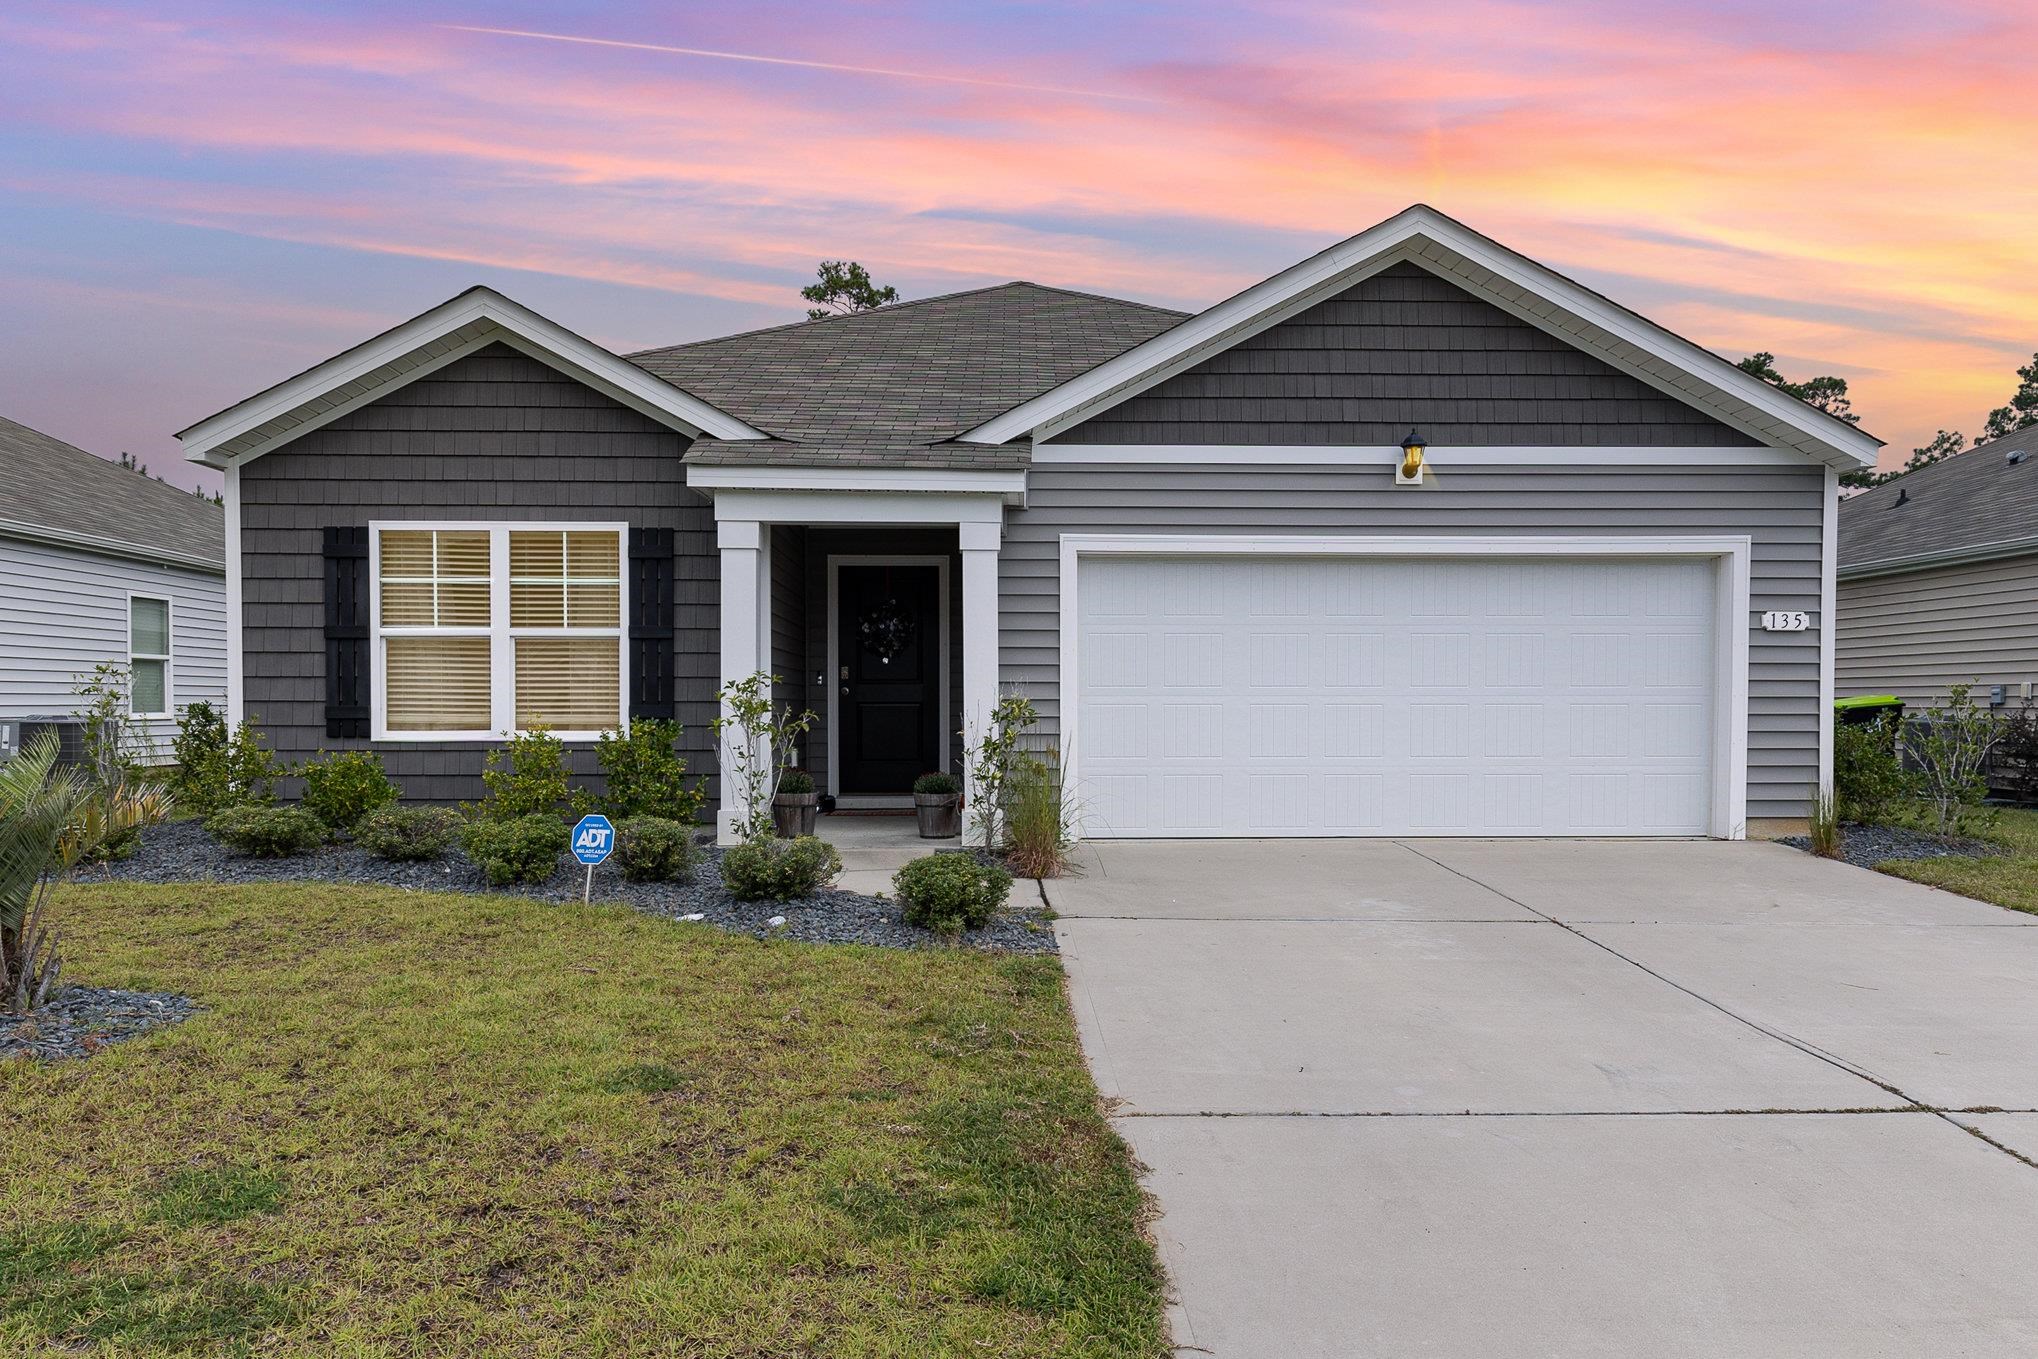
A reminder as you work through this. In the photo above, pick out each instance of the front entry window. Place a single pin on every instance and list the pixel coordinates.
(485, 629)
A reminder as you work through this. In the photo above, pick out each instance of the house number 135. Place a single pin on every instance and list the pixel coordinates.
(1794, 620)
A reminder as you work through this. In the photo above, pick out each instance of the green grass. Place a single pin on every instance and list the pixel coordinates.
(410, 1124)
(2009, 880)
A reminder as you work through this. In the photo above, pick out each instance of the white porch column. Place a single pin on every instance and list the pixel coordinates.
(743, 605)
(979, 543)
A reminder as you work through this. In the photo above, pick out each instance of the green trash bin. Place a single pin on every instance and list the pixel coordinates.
(1866, 710)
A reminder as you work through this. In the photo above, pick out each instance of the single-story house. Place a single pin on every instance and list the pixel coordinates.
(1939, 579)
(1596, 604)
(101, 564)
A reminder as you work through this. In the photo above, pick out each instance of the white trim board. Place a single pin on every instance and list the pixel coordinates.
(1829, 625)
(837, 560)
(1511, 281)
(235, 685)
(719, 476)
(1732, 554)
(454, 328)
(1388, 455)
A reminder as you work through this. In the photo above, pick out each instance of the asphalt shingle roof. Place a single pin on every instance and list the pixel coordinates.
(1972, 500)
(49, 487)
(894, 386)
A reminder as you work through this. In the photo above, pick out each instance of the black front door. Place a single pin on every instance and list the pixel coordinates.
(888, 681)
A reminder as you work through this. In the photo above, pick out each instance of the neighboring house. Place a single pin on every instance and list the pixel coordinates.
(1939, 579)
(101, 564)
(1184, 537)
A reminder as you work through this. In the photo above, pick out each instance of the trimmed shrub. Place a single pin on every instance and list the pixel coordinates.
(949, 893)
(646, 776)
(408, 834)
(342, 786)
(1869, 780)
(525, 778)
(654, 849)
(217, 767)
(524, 850)
(779, 870)
(267, 832)
(796, 781)
(937, 785)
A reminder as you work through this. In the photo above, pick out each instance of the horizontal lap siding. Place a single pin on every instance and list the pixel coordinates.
(64, 612)
(1780, 510)
(1917, 634)
(493, 436)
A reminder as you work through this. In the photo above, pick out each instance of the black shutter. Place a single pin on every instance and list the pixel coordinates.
(347, 669)
(651, 623)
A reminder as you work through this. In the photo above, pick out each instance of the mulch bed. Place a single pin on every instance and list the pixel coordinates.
(1867, 846)
(182, 851)
(84, 1019)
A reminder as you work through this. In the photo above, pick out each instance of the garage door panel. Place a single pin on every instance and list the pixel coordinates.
(1266, 713)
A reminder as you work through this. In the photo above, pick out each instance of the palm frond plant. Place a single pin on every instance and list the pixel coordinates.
(52, 819)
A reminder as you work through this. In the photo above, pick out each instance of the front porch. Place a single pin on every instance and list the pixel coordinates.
(878, 612)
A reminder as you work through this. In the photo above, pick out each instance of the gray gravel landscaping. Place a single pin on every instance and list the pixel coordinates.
(1867, 846)
(84, 1019)
(182, 851)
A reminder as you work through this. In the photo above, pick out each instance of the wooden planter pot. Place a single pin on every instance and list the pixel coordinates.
(940, 815)
(793, 814)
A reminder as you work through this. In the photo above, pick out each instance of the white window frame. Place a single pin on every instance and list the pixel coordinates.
(168, 658)
(502, 637)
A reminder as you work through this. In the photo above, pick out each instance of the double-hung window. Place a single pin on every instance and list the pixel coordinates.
(148, 656)
(486, 629)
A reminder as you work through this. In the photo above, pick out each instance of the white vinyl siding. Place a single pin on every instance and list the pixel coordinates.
(63, 611)
(1916, 634)
(481, 630)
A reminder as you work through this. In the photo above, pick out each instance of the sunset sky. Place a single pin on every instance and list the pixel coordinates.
(202, 198)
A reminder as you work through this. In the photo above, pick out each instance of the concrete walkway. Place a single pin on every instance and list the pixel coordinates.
(1493, 1098)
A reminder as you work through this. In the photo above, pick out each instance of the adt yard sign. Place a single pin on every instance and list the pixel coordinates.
(594, 839)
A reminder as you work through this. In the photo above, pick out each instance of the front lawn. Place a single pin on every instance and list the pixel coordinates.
(2009, 879)
(431, 1124)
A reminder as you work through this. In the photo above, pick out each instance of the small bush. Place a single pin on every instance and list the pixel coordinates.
(653, 849)
(342, 786)
(218, 768)
(267, 832)
(1869, 781)
(407, 834)
(796, 781)
(779, 870)
(524, 850)
(937, 785)
(646, 776)
(949, 893)
(525, 778)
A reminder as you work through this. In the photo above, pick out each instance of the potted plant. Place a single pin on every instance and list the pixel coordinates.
(937, 801)
(796, 804)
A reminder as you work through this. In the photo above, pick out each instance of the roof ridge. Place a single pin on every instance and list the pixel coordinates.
(892, 308)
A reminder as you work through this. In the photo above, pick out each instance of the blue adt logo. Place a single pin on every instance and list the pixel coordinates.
(594, 839)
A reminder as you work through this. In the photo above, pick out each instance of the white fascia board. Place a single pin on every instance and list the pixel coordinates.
(107, 547)
(1404, 236)
(906, 479)
(857, 507)
(1441, 459)
(512, 322)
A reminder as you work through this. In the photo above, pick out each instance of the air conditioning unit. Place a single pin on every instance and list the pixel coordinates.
(70, 733)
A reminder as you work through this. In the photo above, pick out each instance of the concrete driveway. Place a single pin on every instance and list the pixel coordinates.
(1566, 1098)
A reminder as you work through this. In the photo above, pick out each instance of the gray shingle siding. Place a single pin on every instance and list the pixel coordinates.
(1780, 509)
(1399, 349)
(493, 436)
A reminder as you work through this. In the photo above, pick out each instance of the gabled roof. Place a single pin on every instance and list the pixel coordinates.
(58, 493)
(893, 387)
(1969, 507)
(1511, 281)
(430, 340)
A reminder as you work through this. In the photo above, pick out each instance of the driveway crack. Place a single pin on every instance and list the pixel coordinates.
(1912, 1103)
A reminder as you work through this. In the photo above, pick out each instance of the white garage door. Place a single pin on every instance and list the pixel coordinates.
(1249, 695)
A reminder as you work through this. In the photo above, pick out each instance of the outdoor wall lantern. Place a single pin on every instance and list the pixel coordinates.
(1409, 472)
